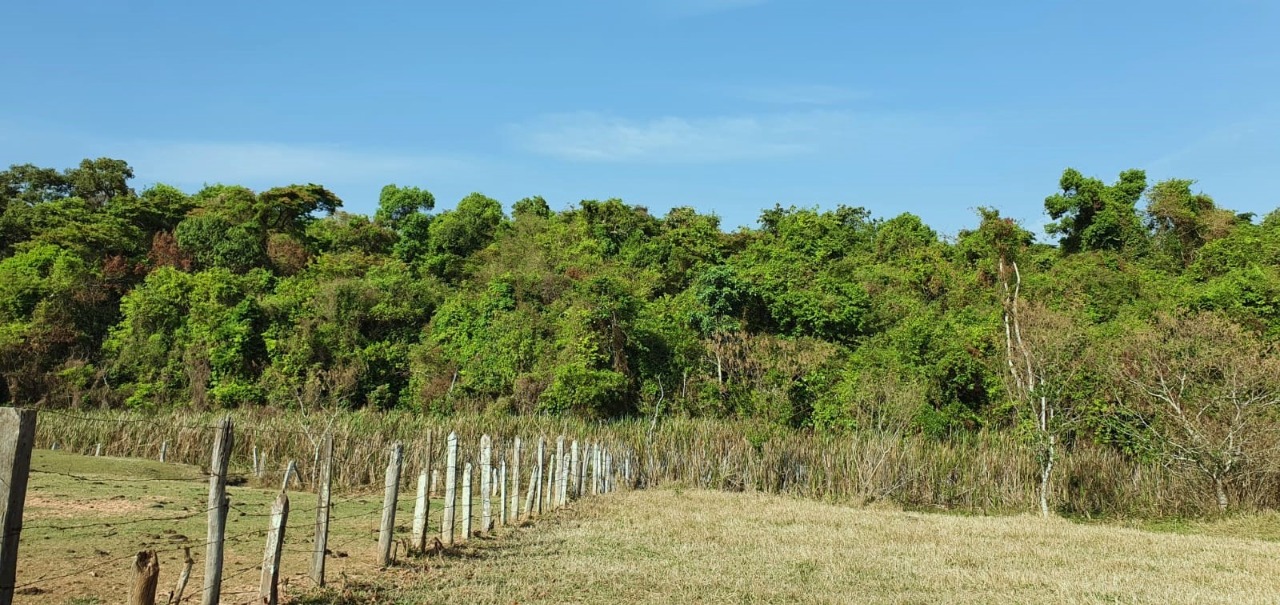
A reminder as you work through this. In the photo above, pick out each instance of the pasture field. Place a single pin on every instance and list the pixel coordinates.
(657, 546)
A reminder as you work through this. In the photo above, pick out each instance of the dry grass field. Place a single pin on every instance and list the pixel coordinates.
(659, 546)
(673, 546)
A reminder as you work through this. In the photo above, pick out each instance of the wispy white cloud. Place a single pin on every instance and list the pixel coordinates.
(801, 94)
(264, 162)
(695, 8)
(595, 137)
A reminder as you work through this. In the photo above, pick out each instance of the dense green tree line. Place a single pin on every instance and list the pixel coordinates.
(829, 319)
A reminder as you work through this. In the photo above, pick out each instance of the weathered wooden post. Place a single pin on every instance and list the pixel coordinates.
(502, 485)
(538, 466)
(218, 506)
(466, 502)
(268, 589)
(17, 436)
(531, 493)
(575, 478)
(145, 578)
(582, 470)
(562, 466)
(608, 472)
(164, 451)
(435, 482)
(418, 540)
(97, 451)
(515, 480)
(390, 495)
(290, 471)
(323, 485)
(626, 471)
(486, 484)
(549, 497)
(187, 564)
(450, 489)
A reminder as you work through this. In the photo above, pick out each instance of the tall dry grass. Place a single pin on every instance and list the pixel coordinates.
(982, 473)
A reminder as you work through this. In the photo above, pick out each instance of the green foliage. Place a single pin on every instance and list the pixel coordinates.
(1091, 215)
(827, 319)
(396, 203)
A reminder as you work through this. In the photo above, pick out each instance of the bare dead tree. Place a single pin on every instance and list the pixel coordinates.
(1044, 352)
(1205, 393)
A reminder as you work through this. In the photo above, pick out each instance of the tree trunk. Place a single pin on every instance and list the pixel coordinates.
(1220, 491)
(1046, 473)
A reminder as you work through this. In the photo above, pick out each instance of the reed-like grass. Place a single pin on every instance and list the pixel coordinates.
(982, 473)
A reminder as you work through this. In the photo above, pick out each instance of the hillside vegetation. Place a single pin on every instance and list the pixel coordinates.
(1149, 328)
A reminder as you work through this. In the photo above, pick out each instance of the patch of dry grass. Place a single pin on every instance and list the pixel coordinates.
(86, 517)
(667, 546)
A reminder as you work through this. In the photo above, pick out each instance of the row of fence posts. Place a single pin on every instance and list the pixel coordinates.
(552, 484)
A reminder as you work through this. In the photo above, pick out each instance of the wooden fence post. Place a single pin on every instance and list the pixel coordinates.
(218, 505)
(531, 494)
(187, 564)
(502, 497)
(268, 589)
(595, 468)
(582, 470)
(97, 451)
(450, 489)
(539, 465)
(17, 436)
(164, 451)
(322, 509)
(466, 502)
(290, 471)
(515, 481)
(389, 497)
(575, 478)
(486, 484)
(549, 498)
(562, 467)
(145, 578)
(418, 540)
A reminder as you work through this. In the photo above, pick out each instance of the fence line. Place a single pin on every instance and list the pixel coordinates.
(549, 471)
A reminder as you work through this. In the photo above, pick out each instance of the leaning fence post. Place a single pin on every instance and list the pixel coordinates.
(17, 436)
(187, 563)
(466, 503)
(289, 472)
(268, 592)
(323, 486)
(486, 483)
(145, 578)
(97, 451)
(450, 489)
(218, 505)
(389, 505)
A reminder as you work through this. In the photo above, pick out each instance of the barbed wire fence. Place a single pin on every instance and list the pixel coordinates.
(553, 479)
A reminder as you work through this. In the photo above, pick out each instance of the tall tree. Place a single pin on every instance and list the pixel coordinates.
(1091, 215)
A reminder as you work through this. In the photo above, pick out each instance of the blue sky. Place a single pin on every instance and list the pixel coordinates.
(730, 106)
